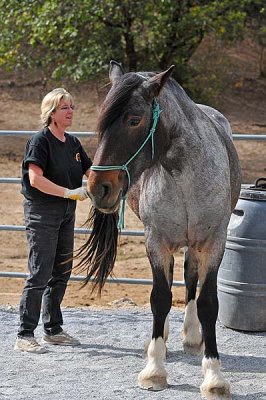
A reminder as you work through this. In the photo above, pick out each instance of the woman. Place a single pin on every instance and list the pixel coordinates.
(52, 172)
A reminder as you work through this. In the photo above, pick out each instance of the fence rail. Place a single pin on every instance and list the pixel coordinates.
(20, 228)
(236, 136)
(79, 278)
(29, 133)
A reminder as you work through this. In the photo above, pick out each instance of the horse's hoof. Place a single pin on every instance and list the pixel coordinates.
(154, 375)
(214, 386)
(195, 349)
(216, 392)
(154, 383)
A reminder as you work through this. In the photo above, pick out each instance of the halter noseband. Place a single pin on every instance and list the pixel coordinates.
(155, 116)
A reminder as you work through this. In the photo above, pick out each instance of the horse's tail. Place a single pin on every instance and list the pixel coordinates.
(98, 254)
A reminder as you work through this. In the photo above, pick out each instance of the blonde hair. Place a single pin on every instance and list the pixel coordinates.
(50, 102)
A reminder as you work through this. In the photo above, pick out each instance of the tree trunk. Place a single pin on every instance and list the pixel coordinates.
(131, 52)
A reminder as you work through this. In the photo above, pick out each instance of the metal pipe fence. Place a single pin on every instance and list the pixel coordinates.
(236, 136)
(29, 133)
(78, 278)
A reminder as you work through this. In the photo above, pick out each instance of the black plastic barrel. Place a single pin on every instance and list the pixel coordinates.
(242, 274)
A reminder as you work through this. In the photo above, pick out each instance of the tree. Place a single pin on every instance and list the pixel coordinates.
(256, 26)
(78, 38)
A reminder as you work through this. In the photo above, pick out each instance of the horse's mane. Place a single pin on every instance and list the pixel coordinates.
(120, 94)
(117, 99)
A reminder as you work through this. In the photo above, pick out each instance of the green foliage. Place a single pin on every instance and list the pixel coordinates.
(76, 39)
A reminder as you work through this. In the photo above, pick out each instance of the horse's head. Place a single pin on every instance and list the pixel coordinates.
(126, 119)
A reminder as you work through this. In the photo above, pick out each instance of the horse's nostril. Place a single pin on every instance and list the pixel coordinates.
(106, 188)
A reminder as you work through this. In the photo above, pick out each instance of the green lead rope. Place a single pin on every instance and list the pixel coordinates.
(121, 221)
(155, 115)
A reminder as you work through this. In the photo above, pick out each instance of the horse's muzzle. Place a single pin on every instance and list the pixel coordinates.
(105, 190)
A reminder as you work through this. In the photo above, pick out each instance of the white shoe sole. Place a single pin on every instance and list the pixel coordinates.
(42, 351)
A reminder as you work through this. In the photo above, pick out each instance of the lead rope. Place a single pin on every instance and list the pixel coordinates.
(155, 115)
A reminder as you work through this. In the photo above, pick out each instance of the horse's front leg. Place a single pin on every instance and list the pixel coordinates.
(214, 385)
(154, 375)
(170, 274)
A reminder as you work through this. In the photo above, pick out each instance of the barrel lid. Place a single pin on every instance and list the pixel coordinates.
(254, 192)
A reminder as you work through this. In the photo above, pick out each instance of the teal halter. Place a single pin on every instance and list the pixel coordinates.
(155, 115)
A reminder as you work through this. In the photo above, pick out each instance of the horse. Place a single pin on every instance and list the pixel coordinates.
(176, 162)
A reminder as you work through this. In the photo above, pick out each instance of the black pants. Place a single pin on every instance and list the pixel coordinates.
(50, 235)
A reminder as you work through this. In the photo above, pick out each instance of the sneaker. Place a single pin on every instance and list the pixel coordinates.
(62, 338)
(29, 344)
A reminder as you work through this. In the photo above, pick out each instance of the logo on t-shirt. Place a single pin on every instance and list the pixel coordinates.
(77, 157)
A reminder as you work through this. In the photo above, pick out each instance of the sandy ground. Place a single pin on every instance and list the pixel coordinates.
(244, 105)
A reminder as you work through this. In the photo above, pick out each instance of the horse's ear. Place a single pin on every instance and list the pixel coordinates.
(115, 71)
(155, 83)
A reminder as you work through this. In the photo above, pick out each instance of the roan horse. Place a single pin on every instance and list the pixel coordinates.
(182, 179)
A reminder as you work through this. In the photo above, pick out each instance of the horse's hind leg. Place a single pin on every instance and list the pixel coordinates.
(170, 283)
(191, 335)
(214, 385)
(153, 376)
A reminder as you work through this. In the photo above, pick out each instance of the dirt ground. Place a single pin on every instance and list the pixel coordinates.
(244, 105)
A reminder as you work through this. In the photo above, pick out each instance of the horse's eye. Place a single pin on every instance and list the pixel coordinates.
(134, 121)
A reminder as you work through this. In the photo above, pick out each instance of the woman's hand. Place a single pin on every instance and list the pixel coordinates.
(76, 194)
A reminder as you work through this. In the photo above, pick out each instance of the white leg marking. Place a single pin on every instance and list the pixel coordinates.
(192, 336)
(165, 336)
(153, 376)
(214, 385)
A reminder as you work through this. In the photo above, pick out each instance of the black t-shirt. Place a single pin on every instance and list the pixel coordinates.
(63, 163)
